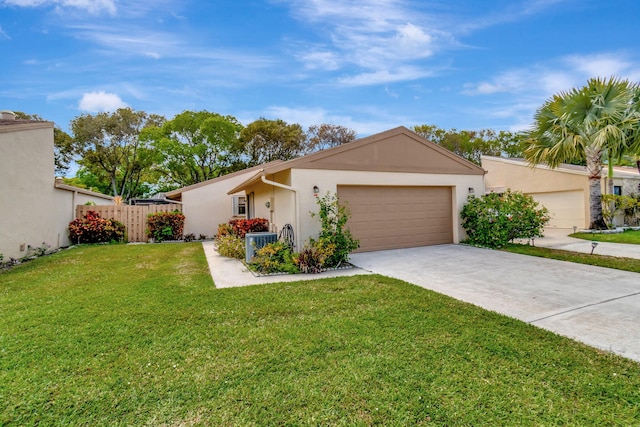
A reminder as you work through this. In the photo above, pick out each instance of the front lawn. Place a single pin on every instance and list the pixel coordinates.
(628, 236)
(138, 335)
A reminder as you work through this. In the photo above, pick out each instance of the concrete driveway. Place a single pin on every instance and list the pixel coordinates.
(594, 305)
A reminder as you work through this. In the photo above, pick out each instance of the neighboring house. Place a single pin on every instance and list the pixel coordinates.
(35, 208)
(563, 190)
(206, 204)
(402, 190)
(156, 199)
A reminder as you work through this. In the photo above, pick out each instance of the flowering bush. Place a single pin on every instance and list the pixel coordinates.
(93, 229)
(165, 226)
(240, 227)
(494, 219)
(334, 232)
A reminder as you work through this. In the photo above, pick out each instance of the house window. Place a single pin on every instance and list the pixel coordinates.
(239, 206)
(617, 190)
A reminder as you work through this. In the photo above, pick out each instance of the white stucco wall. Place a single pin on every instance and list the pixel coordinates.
(66, 202)
(303, 180)
(207, 206)
(27, 199)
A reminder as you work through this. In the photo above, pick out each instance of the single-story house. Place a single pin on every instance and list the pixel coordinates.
(563, 190)
(402, 190)
(206, 204)
(36, 208)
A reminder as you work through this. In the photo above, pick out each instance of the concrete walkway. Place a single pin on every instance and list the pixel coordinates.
(557, 238)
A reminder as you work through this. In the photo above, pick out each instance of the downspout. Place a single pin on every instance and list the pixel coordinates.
(295, 204)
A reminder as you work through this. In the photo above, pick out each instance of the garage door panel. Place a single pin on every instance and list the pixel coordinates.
(385, 217)
(566, 208)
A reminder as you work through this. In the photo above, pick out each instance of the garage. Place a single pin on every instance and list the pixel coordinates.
(566, 208)
(393, 217)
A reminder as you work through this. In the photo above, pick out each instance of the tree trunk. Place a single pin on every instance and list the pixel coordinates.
(594, 171)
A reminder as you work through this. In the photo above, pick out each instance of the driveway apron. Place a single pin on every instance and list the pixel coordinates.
(597, 306)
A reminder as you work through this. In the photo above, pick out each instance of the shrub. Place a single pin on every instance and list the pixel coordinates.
(189, 237)
(613, 205)
(240, 227)
(494, 219)
(91, 228)
(313, 258)
(231, 246)
(165, 226)
(333, 221)
(274, 257)
(202, 237)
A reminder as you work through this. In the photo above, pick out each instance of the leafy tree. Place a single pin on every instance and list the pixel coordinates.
(62, 144)
(62, 150)
(195, 146)
(325, 135)
(267, 140)
(597, 120)
(108, 145)
(471, 145)
(90, 181)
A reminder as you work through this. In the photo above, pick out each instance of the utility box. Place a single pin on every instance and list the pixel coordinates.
(255, 241)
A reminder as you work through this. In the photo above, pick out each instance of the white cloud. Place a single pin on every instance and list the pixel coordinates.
(557, 75)
(378, 41)
(94, 102)
(91, 6)
(324, 60)
(385, 76)
(378, 120)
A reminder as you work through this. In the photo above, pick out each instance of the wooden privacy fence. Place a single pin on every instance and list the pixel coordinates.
(133, 217)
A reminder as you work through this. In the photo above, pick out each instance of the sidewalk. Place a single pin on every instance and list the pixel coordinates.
(558, 238)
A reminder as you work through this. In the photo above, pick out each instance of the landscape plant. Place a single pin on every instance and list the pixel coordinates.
(334, 232)
(495, 219)
(165, 226)
(614, 204)
(230, 246)
(276, 257)
(240, 227)
(313, 258)
(92, 228)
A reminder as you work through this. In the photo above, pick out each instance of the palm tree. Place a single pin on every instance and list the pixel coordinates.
(598, 119)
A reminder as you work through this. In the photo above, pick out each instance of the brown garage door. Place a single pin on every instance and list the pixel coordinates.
(387, 217)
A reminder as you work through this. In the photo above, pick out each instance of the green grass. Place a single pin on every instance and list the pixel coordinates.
(619, 263)
(628, 236)
(137, 335)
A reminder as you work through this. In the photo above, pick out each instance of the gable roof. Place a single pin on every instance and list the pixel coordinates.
(176, 194)
(395, 150)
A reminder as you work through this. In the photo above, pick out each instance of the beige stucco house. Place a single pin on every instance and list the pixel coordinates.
(35, 207)
(563, 190)
(206, 204)
(402, 190)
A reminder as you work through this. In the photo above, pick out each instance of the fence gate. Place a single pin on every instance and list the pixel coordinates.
(133, 217)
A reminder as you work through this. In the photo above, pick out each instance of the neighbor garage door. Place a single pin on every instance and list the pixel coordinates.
(566, 208)
(398, 217)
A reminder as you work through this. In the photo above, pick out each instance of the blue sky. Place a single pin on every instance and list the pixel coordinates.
(368, 65)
